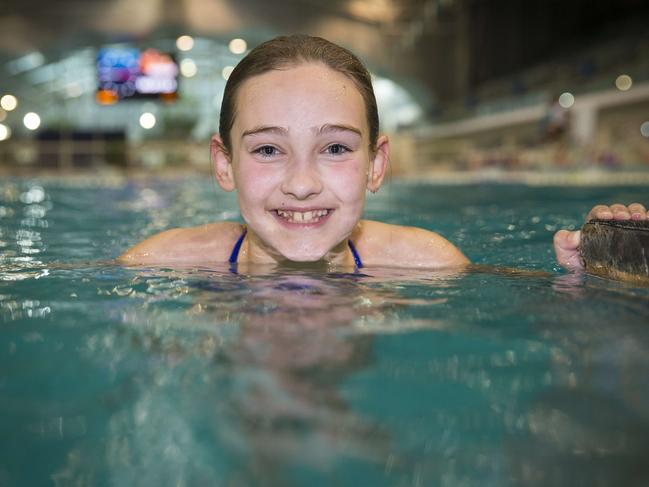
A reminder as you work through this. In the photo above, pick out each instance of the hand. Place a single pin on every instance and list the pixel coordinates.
(566, 243)
(635, 211)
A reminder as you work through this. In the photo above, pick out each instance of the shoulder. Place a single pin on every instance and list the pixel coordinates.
(203, 244)
(383, 244)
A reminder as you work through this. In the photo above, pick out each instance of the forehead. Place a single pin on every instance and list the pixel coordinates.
(309, 93)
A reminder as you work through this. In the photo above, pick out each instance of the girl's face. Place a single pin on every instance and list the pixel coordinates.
(301, 162)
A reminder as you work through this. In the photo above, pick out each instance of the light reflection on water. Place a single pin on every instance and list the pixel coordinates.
(292, 376)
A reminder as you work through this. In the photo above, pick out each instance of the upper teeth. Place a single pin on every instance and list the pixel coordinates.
(302, 216)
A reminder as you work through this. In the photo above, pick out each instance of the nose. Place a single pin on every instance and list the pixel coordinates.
(302, 180)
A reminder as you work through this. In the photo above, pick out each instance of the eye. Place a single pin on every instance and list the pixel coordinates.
(337, 149)
(266, 151)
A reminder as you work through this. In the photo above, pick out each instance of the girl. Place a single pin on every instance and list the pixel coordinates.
(299, 142)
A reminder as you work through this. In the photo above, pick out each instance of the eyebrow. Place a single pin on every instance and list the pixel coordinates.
(328, 127)
(262, 129)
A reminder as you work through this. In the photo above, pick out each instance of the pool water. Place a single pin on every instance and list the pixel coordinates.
(293, 376)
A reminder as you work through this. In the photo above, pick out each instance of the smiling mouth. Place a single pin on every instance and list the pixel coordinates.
(303, 217)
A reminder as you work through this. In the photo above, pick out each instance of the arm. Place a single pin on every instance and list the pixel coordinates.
(384, 244)
(566, 243)
(210, 243)
(423, 248)
(150, 250)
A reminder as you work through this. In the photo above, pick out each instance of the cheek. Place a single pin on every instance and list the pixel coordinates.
(254, 181)
(350, 183)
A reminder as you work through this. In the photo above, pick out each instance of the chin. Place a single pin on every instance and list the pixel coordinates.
(303, 257)
(304, 254)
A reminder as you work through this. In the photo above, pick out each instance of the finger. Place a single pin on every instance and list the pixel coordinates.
(638, 211)
(620, 212)
(601, 212)
(559, 238)
(574, 239)
(566, 247)
(567, 240)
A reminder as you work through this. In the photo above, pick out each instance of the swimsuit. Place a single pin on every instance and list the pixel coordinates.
(237, 247)
(357, 258)
(234, 255)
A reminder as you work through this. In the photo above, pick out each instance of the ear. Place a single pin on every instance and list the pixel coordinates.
(378, 164)
(222, 164)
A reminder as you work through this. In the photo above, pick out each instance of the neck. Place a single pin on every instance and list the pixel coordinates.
(254, 250)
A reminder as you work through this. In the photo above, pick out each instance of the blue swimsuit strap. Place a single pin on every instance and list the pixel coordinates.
(235, 250)
(237, 247)
(357, 258)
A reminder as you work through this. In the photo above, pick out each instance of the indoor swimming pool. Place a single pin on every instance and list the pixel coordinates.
(516, 374)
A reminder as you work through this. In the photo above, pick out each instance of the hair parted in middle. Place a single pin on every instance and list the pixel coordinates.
(288, 51)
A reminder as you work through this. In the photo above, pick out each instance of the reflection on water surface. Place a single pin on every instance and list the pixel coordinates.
(294, 376)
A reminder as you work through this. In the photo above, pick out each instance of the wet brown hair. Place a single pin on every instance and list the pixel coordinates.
(288, 51)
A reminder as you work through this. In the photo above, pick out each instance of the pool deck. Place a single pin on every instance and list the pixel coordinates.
(584, 177)
(568, 177)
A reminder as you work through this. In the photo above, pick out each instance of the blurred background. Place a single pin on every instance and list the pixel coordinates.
(462, 85)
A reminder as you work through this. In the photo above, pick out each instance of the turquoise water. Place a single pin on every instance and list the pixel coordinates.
(284, 376)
